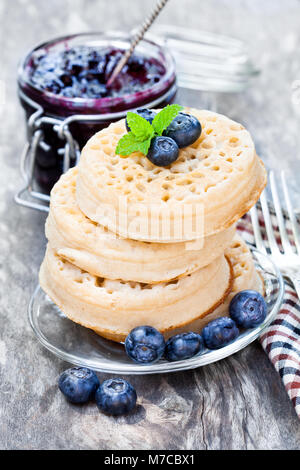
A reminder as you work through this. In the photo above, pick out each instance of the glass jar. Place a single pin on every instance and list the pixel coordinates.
(58, 126)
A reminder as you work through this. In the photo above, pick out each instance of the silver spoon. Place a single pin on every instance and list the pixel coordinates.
(139, 35)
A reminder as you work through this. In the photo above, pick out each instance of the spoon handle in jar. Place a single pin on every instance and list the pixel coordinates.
(137, 38)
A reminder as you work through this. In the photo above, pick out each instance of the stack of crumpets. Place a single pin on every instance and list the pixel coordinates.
(131, 243)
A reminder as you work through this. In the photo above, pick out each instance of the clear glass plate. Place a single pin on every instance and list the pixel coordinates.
(81, 346)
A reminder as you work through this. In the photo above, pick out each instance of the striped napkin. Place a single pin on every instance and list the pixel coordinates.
(281, 340)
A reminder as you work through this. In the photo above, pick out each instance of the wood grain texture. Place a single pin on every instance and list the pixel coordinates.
(238, 403)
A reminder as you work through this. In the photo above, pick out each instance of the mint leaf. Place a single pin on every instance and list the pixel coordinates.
(164, 118)
(139, 126)
(128, 144)
(144, 146)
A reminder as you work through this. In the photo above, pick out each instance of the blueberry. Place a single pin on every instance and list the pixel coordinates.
(185, 129)
(68, 92)
(116, 397)
(183, 346)
(219, 332)
(93, 63)
(96, 90)
(136, 65)
(48, 64)
(145, 345)
(163, 151)
(248, 308)
(66, 79)
(111, 62)
(78, 384)
(53, 87)
(147, 114)
(75, 68)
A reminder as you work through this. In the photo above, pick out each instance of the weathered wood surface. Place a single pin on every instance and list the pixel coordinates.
(239, 403)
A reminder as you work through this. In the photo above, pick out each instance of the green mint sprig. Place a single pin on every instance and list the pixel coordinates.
(142, 132)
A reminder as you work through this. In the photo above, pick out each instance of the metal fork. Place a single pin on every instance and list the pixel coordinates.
(287, 258)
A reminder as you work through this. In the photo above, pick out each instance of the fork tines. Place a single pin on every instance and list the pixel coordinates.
(289, 245)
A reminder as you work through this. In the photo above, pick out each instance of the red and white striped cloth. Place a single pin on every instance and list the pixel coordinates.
(281, 340)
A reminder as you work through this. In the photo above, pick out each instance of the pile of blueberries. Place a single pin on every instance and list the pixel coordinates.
(82, 72)
(183, 131)
(146, 345)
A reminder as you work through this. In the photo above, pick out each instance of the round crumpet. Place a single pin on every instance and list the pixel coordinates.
(213, 183)
(245, 277)
(113, 308)
(98, 251)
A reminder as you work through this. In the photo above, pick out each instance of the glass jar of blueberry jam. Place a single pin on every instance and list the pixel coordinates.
(62, 88)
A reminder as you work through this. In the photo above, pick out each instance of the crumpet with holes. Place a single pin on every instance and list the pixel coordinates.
(98, 251)
(245, 277)
(113, 308)
(214, 182)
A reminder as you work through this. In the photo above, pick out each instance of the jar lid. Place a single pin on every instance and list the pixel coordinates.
(207, 61)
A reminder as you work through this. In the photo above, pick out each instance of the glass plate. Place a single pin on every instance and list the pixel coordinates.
(81, 346)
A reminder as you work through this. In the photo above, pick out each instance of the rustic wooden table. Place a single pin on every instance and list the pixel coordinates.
(239, 403)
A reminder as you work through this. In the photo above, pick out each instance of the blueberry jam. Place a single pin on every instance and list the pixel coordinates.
(82, 72)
